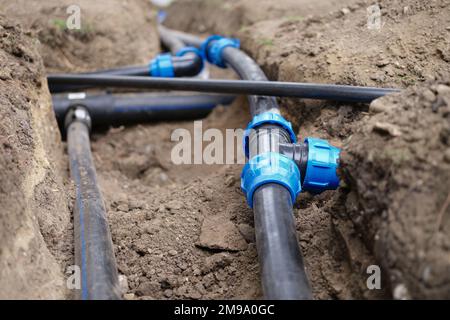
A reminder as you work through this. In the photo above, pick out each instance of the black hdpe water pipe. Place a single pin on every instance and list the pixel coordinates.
(118, 109)
(342, 93)
(282, 269)
(94, 252)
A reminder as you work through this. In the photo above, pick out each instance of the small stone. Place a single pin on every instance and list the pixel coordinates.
(429, 95)
(5, 75)
(447, 155)
(401, 292)
(443, 89)
(248, 232)
(129, 296)
(148, 288)
(197, 272)
(219, 233)
(173, 252)
(378, 106)
(123, 283)
(229, 181)
(345, 11)
(174, 205)
(168, 293)
(123, 207)
(135, 204)
(216, 262)
(387, 128)
(382, 63)
(183, 266)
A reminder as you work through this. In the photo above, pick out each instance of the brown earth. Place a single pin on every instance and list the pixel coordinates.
(35, 234)
(163, 216)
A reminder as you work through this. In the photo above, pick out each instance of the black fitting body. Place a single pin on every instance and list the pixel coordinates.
(297, 152)
(188, 65)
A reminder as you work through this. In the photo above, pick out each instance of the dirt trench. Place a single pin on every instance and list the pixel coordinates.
(164, 217)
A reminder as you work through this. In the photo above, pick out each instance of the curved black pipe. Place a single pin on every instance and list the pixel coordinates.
(109, 109)
(247, 69)
(169, 40)
(187, 38)
(263, 88)
(94, 252)
(188, 65)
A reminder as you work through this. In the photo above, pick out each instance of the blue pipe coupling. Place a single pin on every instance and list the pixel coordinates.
(267, 168)
(162, 66)
(321, 167)
(267, 118)
(317, 159)
(213, 46)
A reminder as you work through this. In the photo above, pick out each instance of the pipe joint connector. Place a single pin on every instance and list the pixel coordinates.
(317, 161)
(321, 168)
(78, 114)
(162, 66)
(267, 118)
(267, 168)
(213, 47)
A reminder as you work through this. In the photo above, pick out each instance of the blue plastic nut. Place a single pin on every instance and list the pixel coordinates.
(270, 167)
(323, 161)
(267, 118)
(162, 66)
(213, 46)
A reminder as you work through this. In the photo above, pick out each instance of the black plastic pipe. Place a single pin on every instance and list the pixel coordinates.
(282, 269)
(115, 109)
(188, 65)
(342, 93)
(94, 252)
(190, 40)
(169, 40)
(283, 272)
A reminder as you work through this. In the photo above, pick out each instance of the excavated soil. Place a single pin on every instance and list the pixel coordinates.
(35, 235)
(185, 231)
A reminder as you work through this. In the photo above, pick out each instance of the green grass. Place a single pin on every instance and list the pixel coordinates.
(60, 24)
(266, 42)
(294, 18)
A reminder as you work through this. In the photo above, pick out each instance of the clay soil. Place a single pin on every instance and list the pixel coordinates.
(185, 231)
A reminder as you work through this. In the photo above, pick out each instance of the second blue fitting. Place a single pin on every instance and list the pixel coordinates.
(162, 66)
(323, 161)
(267, 168)
(213, 46)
